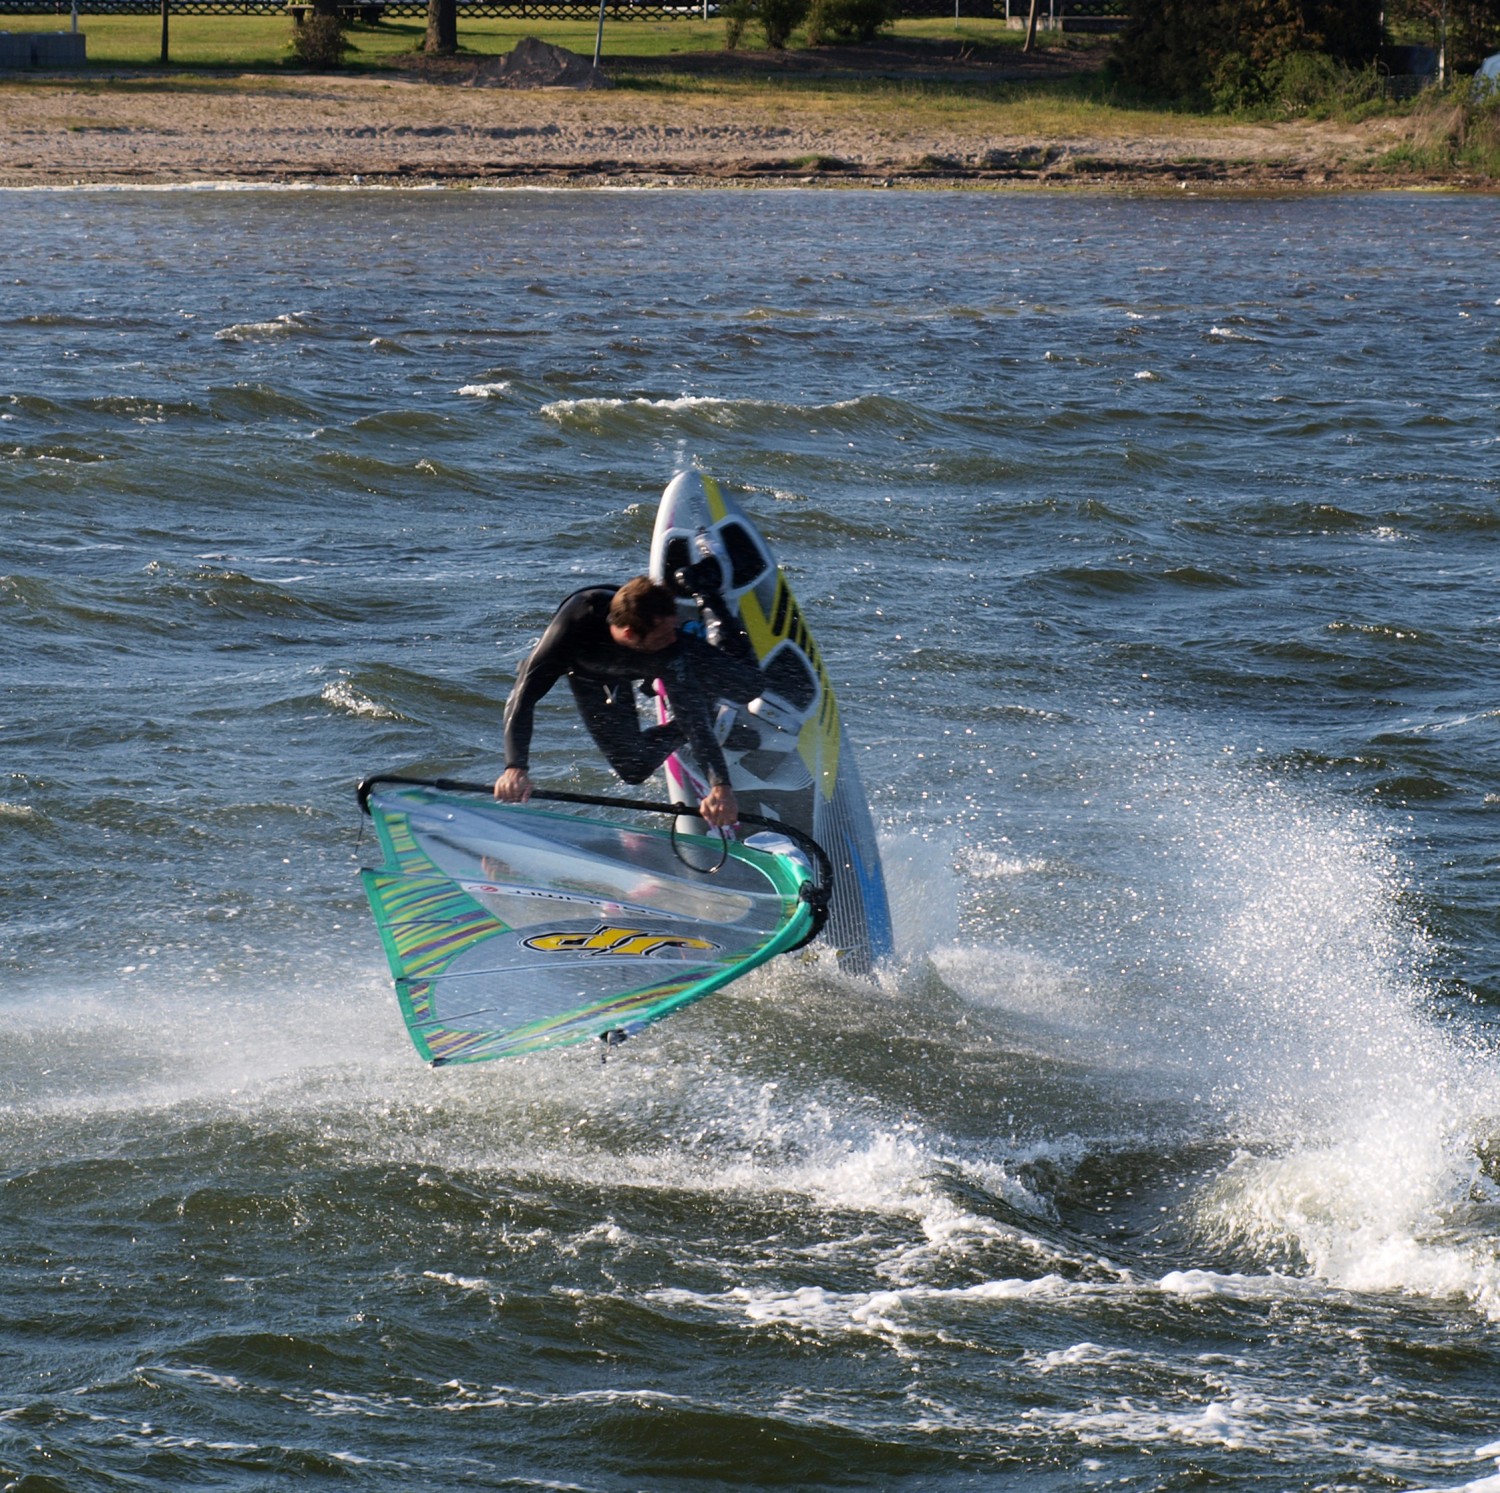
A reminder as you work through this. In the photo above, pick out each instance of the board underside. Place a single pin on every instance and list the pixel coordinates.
(802, 770)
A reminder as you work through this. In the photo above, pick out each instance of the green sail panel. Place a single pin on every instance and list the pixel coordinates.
(510, 928)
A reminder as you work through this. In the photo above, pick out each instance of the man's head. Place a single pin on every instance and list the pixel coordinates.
(643, 615)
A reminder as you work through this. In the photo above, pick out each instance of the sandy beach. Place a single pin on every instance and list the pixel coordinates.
(452, 127)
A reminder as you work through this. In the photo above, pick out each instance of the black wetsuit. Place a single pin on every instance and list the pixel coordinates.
(603, 674)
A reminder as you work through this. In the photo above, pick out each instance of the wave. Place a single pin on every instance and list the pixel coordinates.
(1255, 997)
(287, 324)
(865, 414)
(256, 401)
(70, 320)
(396, 476)
(144, 408)
(233, 594)
(62, 452)
(401, 422)
(341, 695)
(75, 611)
(132, 613)
(1110, 581)
(139, 408)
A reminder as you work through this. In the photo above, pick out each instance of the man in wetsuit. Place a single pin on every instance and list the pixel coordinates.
(607, 641)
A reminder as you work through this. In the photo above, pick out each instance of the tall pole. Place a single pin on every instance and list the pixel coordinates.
(599, 34)
(164, 55)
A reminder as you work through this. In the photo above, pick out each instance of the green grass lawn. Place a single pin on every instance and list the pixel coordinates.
(261, 43)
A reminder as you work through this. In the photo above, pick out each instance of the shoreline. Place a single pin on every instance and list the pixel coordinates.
(395, 130)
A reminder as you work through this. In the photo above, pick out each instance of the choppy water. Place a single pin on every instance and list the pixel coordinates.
(1153, 546)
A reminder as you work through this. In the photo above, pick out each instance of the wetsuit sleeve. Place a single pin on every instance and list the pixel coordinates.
(691, 708)
(542, 668)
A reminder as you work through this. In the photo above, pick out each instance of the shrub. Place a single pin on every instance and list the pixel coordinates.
(1225, 52)
(1313, 83)
(737, 15)
(1461, 126)
(847, 20)
(1452, 130)
(1302, 83)
(779, 18)
(319, 42)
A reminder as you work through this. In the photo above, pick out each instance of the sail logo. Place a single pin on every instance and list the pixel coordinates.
(629, 943)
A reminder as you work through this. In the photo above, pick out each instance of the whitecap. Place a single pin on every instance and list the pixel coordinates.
(1081, 1353)
(563, 409)
(246, 331)
(462, 1282)
(343, 696)
(1203, 1284)
(894, 1316)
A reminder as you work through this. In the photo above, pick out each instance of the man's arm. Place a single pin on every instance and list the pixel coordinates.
(541, 669)
(692, 709)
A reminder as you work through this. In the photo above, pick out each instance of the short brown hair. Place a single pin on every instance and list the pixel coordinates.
(640, 604)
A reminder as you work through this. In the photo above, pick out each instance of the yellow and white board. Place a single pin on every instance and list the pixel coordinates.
(788, 752)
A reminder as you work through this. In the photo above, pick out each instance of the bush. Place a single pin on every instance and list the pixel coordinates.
(847, 20)
(1301, 84)
(1459, 128)
(779, 18)
(1227, 52)
(319, 42)
(1312, 83)
(737, 15)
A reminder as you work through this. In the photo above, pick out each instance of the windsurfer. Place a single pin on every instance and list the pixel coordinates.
(607, 641)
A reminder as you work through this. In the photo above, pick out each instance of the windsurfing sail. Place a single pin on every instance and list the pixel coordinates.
(513, 928)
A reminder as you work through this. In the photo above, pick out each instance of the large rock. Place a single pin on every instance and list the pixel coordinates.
(533, 63)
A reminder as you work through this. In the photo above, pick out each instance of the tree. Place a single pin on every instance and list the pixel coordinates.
(1464, 32)
(1202, 50)
(1031, 26)
(442, 28)
(779, 18)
